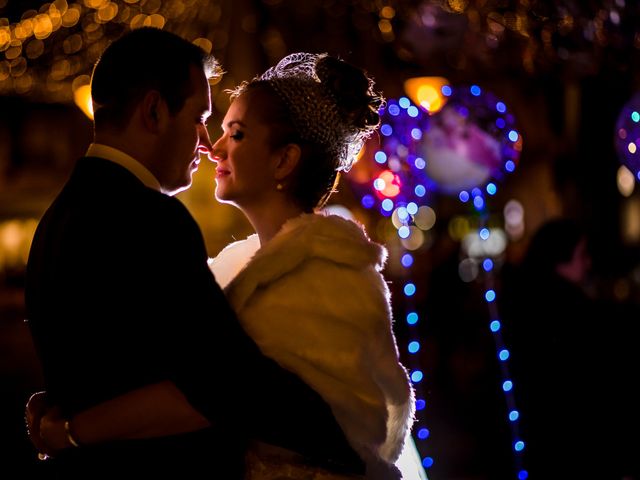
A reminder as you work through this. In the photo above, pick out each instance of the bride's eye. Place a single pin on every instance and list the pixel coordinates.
(237, 135)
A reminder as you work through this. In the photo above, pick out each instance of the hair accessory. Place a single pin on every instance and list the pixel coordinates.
(279, 187)
(314, 107)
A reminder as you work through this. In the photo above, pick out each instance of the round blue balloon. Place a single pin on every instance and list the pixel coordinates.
(627, 134)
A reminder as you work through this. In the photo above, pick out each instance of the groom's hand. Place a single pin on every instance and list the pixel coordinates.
(35, 409)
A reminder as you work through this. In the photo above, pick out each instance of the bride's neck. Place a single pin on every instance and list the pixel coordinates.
(267, 219)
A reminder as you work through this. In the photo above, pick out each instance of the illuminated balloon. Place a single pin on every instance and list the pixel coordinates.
(459, 154)
(470, 142)
(627, 135)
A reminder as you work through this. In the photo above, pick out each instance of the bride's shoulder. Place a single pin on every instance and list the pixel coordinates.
(232, 258)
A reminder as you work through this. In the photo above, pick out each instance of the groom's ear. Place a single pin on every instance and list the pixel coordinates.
(154, 110)
(288, 159)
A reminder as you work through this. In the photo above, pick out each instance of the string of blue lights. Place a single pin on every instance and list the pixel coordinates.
(413, 141)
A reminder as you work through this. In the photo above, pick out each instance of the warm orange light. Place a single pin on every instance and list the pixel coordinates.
(82, 95)
(427, 92)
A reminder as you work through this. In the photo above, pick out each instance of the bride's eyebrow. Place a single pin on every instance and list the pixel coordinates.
(231, 123)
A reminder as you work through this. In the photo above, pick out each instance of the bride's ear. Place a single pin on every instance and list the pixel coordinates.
(287, 161)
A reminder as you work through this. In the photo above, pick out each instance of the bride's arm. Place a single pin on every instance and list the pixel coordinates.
(152, 411)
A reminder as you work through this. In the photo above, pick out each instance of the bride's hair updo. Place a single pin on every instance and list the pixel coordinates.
(325, 105)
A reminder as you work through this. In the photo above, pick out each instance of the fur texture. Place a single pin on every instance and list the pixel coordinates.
(314, 300)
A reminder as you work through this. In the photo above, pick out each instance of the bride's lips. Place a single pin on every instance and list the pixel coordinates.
(221, 172)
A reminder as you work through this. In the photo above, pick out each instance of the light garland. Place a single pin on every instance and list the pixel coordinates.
(43, 53)
(408, 173)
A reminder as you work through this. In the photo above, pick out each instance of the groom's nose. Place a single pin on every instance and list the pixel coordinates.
(204, 141)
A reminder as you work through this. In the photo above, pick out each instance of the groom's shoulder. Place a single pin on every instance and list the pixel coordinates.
(171, 210)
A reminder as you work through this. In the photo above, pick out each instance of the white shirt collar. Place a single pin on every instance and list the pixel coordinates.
(118, 156)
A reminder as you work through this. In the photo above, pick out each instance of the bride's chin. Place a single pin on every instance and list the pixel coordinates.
(220, 195)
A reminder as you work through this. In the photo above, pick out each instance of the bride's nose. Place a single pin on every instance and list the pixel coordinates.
(217, 152)
(204, 142)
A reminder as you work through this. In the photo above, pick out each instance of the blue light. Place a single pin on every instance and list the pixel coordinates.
(402, 213)
(409, 289)
(413, 347)
(404, 102)
(412, 208)
(491, 188)
(446, 90)
(507, 385)
(487, 264)
(635, 116)
(368, 201)
(404, 232)
(463, 196)
(523, 475)
(380, 156)
(504, 354)
(509, 166)
(500, 123)
(416, 376)
(519, 446)
(394, 109)
(420, 404)
(476, 192)
(416, 133)
(420, 163)
(413, 111)
(484, 233)
(475, 90)
(387, 204)
(420, 190)
(386, 130)
(478, 202)
(490, 295)
(423, 433)
(379, 184)
(412, 318)
(513, 135)
(514, 415)
(427, 462)
(501, 107)
(406, 260)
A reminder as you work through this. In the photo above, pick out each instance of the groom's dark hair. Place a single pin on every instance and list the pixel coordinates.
(145, 59)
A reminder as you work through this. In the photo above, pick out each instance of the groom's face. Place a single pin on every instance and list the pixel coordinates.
(186, 137)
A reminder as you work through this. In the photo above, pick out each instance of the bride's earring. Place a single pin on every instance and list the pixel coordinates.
(279, 187)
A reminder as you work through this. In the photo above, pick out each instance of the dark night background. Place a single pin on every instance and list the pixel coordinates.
(564, 69)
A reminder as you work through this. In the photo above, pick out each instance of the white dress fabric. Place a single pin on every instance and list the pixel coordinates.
(314, 300)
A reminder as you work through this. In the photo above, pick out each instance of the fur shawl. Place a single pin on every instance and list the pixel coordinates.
(314, 300)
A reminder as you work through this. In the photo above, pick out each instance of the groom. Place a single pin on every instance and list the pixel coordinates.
(118, 291)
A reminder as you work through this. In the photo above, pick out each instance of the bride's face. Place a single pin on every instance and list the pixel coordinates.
(245, 161)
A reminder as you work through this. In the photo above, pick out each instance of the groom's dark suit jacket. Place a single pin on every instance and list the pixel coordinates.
(119, 295)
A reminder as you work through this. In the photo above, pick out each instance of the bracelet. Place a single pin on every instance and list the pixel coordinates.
(72, 440)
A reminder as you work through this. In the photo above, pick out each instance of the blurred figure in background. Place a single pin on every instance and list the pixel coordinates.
(566, 346)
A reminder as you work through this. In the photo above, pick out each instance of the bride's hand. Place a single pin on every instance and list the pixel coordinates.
(53, 432)
(35, 409)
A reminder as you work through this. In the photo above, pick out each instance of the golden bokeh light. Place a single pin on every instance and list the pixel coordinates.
(42, 26)
(625, 181)
(427, 92)
(107, 12)
(204, 43)
(71, 16)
